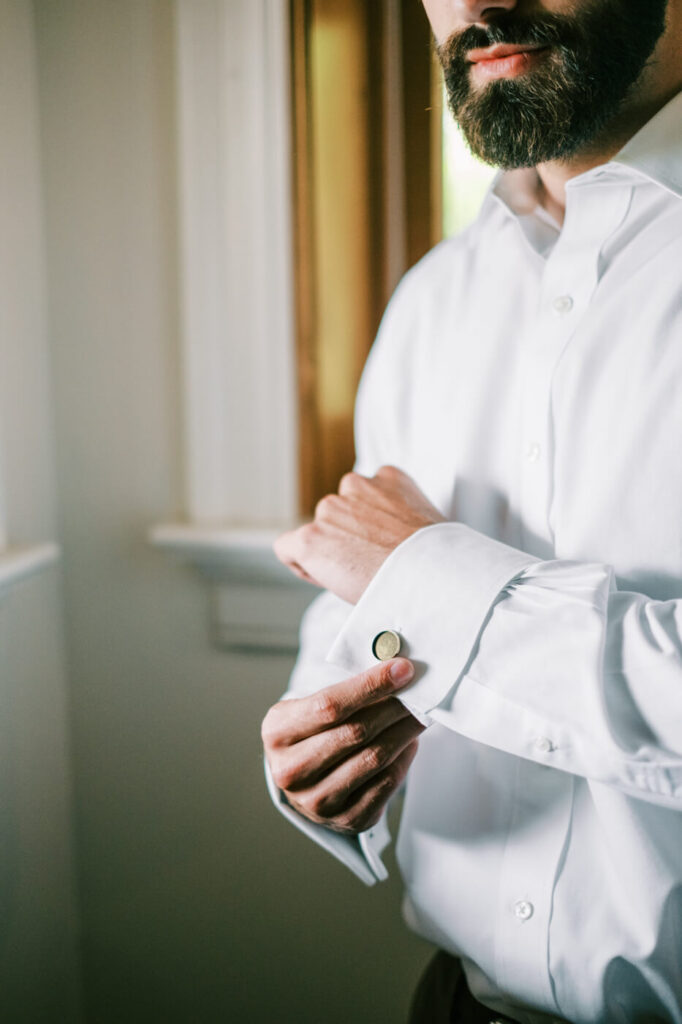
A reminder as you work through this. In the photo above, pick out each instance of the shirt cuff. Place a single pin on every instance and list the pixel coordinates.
(361, 854)
(436, 590)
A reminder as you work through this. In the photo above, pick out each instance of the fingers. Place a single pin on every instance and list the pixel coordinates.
(339, 754)
(379, 491)
(328, 797)
(290, 548)
(349, 515)
(301, 765)
(388, 477)
(366, 804)
(390, 490)
(291, 721)
(370, 802)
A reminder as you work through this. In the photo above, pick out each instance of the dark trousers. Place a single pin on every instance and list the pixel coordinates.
(443, 996)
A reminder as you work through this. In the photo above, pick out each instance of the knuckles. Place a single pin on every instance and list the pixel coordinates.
(377, 680)
(305, 536)
(361, 818)
(314, 805)
(283, 776)
(390, 473)
(350, 483)
(373, 759)
(295, 545)
(270, 730)
(282, 547)
(346, 823)
(353, 733)
(327, 507)
(325, 709)
(288, 772)
(322, 807)
(395, 481)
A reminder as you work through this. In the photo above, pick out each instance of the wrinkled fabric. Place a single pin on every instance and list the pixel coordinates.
(529, 378)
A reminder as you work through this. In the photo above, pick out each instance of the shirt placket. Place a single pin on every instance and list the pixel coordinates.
(568, 284)
(543, 807)
(538, 833)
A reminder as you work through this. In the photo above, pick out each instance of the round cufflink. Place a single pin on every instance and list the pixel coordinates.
(386, 645)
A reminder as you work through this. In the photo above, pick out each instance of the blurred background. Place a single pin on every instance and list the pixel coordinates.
(204, 205)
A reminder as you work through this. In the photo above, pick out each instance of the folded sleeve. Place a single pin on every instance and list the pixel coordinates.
(546, 660)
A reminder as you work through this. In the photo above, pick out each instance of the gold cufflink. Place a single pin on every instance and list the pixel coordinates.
(386, 645)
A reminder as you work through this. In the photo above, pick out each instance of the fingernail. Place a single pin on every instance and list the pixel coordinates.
(402, 670)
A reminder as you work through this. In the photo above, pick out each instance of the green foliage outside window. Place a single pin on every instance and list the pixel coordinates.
(465, 179)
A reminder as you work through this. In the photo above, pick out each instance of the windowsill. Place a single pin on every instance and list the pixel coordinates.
(256, 603)
(244, 551)
(18, 563)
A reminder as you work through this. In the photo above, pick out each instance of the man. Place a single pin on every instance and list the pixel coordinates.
(521, 571)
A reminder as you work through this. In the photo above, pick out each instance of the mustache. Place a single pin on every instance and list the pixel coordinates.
(513, 30)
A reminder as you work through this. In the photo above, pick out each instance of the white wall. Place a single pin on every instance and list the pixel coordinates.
(199, 902)
(39, 979)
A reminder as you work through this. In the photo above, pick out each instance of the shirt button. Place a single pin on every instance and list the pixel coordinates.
(562, 304)
(386, 645)
(544, 745)
(523, 910)
(533, 452)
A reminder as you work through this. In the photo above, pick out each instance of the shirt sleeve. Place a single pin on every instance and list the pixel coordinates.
(378, 441)
(546, 660)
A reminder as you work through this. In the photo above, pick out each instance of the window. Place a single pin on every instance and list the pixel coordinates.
(310, 178)
(367, 201)
(336, 105)
(465, 178)
(236, 261)
(381, 173)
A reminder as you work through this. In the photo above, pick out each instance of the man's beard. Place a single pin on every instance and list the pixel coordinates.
(562, 104)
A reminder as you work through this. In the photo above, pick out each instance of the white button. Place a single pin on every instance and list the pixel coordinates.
(562, 304)
(533, 452)
(523, 910)
(544, 745)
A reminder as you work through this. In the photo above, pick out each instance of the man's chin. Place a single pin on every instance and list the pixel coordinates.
(504, 144)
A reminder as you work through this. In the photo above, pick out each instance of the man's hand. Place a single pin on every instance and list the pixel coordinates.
(339, 754)
(354, 531)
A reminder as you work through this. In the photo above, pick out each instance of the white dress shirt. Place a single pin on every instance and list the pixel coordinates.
(529, 378)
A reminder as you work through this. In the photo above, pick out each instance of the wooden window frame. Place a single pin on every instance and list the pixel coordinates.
(392, 190)
(248, 295)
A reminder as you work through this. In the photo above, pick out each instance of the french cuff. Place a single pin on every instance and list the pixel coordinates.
(361, 854)
(435, 590)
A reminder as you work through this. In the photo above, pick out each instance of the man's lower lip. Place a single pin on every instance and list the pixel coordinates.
(511, 66)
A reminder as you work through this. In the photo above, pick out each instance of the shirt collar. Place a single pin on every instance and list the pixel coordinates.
(517, 192)
(654, 152)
